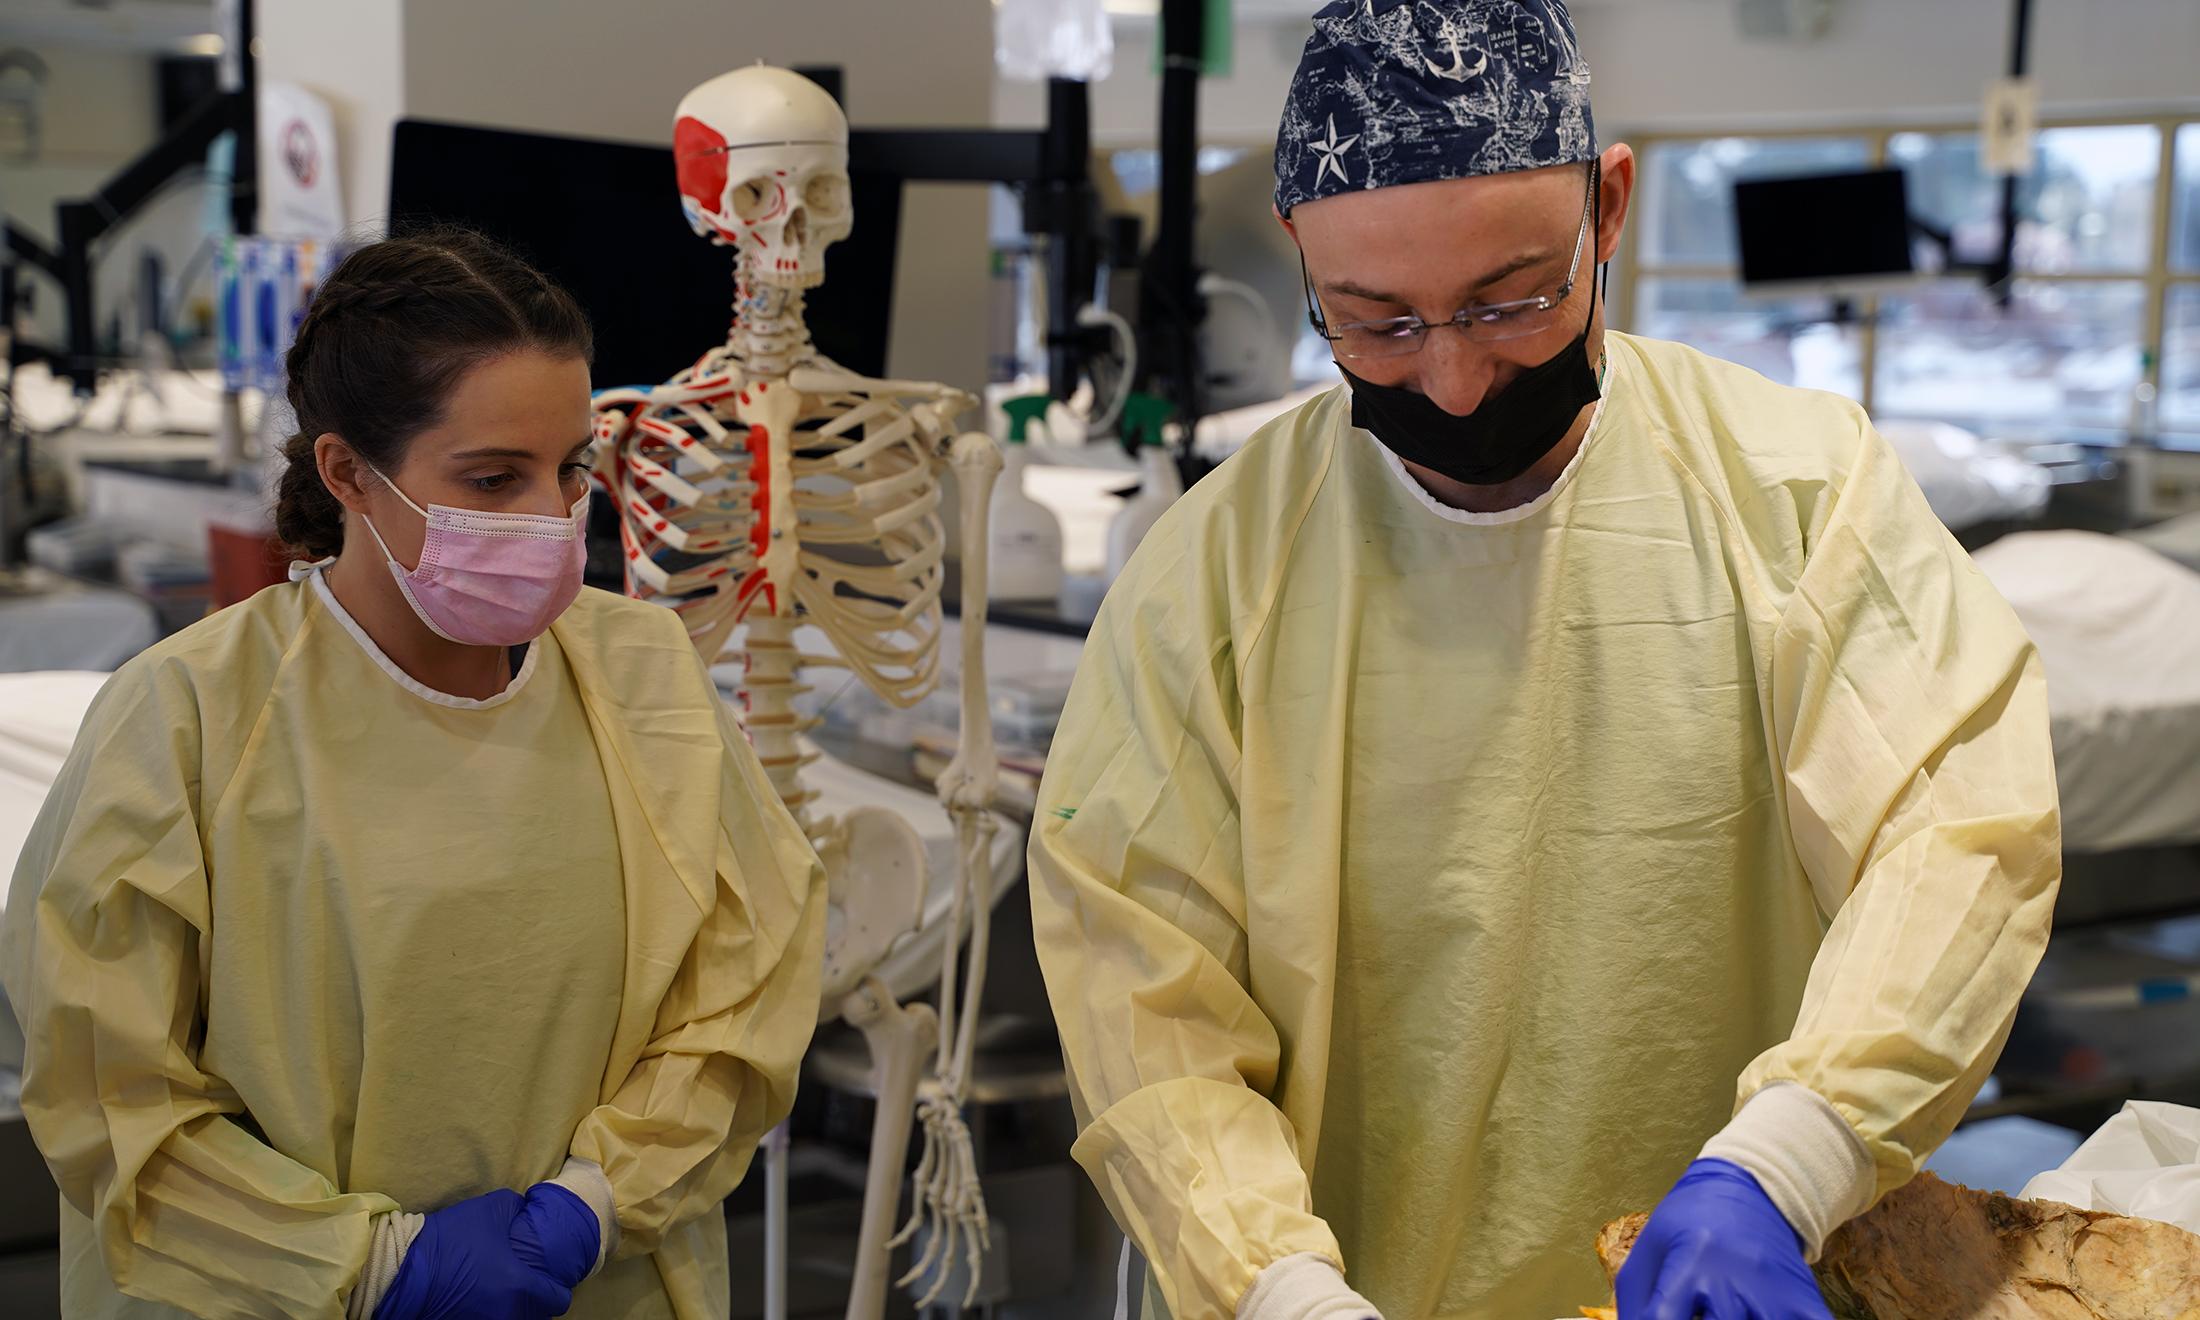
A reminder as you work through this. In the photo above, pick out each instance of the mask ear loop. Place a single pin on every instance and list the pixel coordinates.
(376, 532)
(395, 488)
(1600, 282)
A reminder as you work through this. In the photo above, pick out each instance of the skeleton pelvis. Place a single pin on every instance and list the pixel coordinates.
(876, 884)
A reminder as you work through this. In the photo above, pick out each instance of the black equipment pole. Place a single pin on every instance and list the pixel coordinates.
(2004, 264)
(244, 68)
(1072, 209)
(1169, 306)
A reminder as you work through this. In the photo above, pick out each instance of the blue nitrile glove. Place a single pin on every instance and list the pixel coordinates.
(557, 1233)
(463, 1264)
(1718, 1248)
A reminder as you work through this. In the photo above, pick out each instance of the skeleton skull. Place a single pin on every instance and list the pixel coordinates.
(763, 164)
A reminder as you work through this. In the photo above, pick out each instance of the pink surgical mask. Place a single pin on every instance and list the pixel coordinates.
(491, 579)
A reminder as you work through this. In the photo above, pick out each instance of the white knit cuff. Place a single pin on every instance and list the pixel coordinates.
(1806, 1156)
(392, 1237)
(584, 1179)
(1303, 1287)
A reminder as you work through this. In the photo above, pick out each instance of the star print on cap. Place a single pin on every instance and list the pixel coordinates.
(1406, 91)
(1327, 152)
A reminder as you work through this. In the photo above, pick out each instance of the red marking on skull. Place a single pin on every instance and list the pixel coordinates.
(659, 526)
(699, 158)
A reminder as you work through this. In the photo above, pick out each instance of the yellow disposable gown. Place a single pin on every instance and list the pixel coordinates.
(1413, 887)
(295, 941)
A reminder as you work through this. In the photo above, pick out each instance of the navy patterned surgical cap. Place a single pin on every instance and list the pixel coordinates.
(1405, 91)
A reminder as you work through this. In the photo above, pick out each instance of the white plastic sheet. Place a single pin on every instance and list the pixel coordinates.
(2144, 1162)
(2178, 539)
(1967, 480)
(2118, 628)
(38, 718)
(1039, 39)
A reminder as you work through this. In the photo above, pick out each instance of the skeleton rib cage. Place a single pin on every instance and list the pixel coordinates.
(690, 475)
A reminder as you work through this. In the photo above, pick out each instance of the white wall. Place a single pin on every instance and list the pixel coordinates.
(1240, 108)
(1683, 65)
(615, 70)
(904, 64)
(352, 53)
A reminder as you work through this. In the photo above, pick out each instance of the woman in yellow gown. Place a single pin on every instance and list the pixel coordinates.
(424, 881)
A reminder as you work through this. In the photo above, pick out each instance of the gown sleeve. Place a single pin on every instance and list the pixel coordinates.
(101, 958)
(1138, 908)
(1910, 716)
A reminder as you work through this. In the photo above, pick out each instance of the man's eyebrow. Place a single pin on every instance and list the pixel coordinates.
(1520, 263)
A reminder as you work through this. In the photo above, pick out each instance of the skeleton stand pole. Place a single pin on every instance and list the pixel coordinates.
(775, 1223)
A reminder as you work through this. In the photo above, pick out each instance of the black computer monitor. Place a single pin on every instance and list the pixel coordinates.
(603, 219)
(1834, 232)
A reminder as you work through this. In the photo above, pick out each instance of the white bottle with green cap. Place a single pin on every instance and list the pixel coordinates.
(1159, 485)
(1024, 535)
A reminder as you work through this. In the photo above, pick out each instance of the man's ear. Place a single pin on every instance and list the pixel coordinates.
(1614, 195)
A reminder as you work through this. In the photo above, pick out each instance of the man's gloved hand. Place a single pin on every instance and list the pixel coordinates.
(464, 1263)
(1718, 1248)
(1303, 1287)
(557, 1233)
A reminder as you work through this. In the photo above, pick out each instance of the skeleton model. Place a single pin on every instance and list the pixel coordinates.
(766, 487)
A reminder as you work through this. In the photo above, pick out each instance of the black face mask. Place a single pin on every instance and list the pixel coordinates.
(1503, 437)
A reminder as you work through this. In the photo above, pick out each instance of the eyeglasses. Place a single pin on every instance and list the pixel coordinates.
(1397, 336)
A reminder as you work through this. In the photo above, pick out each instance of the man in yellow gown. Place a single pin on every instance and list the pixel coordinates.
(1553, 774)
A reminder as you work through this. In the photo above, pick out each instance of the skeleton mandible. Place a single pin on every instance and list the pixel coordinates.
(764, 486)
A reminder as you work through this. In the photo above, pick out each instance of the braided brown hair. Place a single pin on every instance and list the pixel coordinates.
(386, 339)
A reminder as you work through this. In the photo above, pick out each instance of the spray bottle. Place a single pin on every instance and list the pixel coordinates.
(1144, 418)
(1025, 544)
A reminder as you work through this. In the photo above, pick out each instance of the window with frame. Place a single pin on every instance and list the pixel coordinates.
(2101, 336)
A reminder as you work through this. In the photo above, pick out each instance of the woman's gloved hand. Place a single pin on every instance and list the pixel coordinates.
(557, 1233)
(465, 1263)
(1718, 1248)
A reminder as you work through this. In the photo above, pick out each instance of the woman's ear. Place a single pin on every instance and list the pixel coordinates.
(342, 472)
